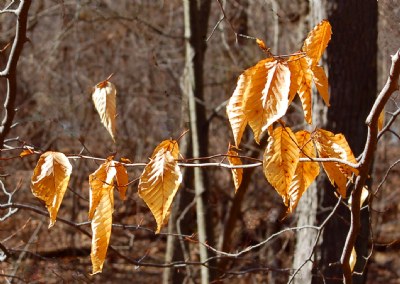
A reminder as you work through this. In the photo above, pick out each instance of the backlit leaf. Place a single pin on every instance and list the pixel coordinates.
(330, 145)
(353, 259)
(50, 180)
(294, 76)
(381, 120)
(122, 179)
(304, 80)
(103, 177)
(306, 172)
(234, 109)
(317, 41)
(275, 96)
(261, 44)
(101, 208)
(104, 97)
(364, 196)
(280, 161)
(321, 82)
(236, 173)
(252, 98)
(26, 152)
(269, 99)
(160, 180)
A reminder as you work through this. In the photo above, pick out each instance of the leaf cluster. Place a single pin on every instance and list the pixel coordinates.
(261, 98)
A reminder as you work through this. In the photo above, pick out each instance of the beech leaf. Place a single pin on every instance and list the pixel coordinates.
(381, 120)
(234, 109)
(160, 180)
(353, 259)
(306, 172)
(294, 76)
(317, 41)
(321, 82)
(101, 208)
(280, 161)
(252, 98)
(122, 179)
(26, 152)
(237, 174)
(50, 180)
(304, 80)
(104, 97)
(276, 92)
(330, 145)
(268, 98)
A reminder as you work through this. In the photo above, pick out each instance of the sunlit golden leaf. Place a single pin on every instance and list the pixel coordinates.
(160, 180)
(101, 208)
(104, 97)
(26, 152)
(50, 180)
(272, 79)
(101, 226)
(364, 196)
(122, 179)
(261, 44)
(102, 178)
(321, 82)
(276, 92)
(304, 82)
(295, 73)
(280, 160)
(306, 172)
(236, 173)
(353, 259)
(381, 120)
(252, 98)
(234, 109)
(317, 41)
(330, 145)
(125, 160)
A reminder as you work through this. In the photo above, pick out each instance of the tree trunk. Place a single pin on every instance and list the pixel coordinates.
(196, 14)
(351, 59)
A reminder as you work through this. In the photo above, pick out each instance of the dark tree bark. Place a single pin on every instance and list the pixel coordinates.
(352, 67)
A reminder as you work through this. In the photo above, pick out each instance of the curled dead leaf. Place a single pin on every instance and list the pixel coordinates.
(50, 181)
(160, 181)
(331, 145)
(104, 99)
(237, 174)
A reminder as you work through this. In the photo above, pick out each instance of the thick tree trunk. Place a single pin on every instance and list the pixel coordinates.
(351, 61)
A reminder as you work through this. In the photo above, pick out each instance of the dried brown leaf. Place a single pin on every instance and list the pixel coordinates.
(280, 161)
(330, 145)
(101, 208)
(50, 180)
(317, 41)
(122, 179)
(104, 99)
(306, 172)
(237, 174)
(160, 180)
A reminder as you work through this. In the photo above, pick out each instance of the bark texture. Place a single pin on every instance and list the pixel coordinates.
(352, 68)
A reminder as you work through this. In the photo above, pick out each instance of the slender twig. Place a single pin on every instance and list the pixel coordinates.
(386, 175)
(9, 72)
(389, 123)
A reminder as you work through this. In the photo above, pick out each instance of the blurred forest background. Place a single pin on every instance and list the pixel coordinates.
(75, 44)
